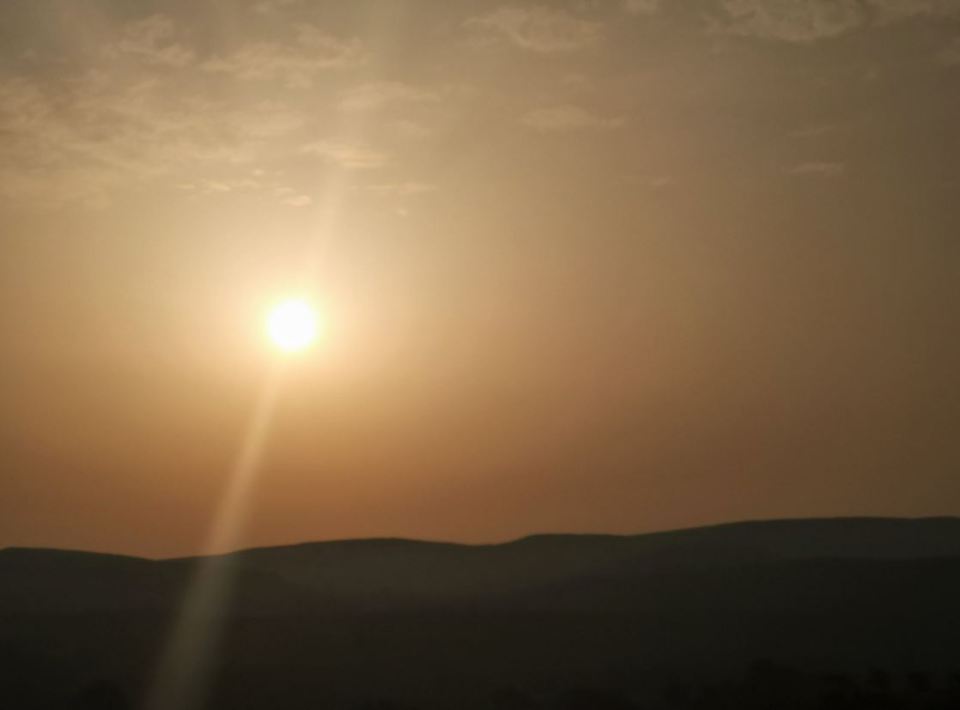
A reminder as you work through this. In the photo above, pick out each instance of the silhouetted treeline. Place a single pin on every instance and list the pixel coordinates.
(766, 685)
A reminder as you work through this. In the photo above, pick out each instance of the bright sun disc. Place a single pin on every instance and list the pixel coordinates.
(292, 325)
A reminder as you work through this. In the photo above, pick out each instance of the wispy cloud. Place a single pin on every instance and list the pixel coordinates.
(297, 200)
(568, 118)
(295, 64)
(150, 40)
(376, 95)
(352, 156)
(410, 130)
(219, 187)
(895, 10)
(797, 21)
(806, 21)
(641, 7)
(79, 139)
(402, 189)
(268, 7)
(255, 182)
(540, 29)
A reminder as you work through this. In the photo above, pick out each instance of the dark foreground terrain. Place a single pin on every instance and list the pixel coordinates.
(842, 613)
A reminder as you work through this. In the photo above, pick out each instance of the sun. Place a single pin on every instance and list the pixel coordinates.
(292, 325)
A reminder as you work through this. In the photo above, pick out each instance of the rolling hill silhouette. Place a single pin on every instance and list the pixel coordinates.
(426, 620)
(543, 572)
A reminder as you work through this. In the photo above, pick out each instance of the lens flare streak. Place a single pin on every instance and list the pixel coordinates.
(186, 666)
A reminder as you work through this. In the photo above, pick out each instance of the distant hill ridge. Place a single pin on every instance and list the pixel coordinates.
(741, 563)
(928, 536)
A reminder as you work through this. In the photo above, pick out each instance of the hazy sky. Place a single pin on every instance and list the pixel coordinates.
(586, 265)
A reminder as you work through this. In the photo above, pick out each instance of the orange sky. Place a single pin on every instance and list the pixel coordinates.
(586, 266)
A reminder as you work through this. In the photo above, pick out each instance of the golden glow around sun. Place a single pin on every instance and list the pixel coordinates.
(292, 325)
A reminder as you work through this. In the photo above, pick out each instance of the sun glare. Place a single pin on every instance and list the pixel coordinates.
(292, 325)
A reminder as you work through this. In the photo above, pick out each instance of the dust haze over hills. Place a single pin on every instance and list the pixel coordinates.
(449, 625)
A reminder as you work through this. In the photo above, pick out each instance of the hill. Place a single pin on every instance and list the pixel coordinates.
(429, 621)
